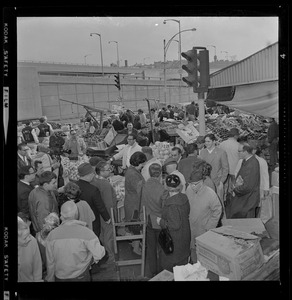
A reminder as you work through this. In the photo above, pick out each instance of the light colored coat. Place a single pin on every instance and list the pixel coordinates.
(231, 148)
(219, 162)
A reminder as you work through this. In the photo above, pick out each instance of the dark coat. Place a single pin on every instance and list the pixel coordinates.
(133, 180)
(91, 195)
(185, 166)
(175, 214)
(247, 196)
(23, 191)
(21, 163)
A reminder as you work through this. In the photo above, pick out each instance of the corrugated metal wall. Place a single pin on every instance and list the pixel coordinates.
(259, 67)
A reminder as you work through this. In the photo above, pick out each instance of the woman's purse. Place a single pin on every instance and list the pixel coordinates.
(165, 241)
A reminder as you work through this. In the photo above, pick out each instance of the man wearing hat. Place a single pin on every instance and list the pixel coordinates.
(231, 148)
(206, 208)
(143, 136)
(91, 195)
(170, 166)
(71, 247)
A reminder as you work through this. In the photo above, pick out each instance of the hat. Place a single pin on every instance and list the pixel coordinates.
(233, 132)
(170, 161)
(94, 160)
(85, 169)
(68, 209)
(172, 181)
(200, 139)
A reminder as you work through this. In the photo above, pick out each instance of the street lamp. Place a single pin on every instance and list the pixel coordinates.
(226, 54)
(100, 50)
(118, 59)
(165, 48)
(85, 58)
(179, 31)
(215, 56)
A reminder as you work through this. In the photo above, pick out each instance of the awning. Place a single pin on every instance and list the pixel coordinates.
(257, 98)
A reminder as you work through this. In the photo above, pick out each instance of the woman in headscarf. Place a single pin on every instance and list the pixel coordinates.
(175, 216)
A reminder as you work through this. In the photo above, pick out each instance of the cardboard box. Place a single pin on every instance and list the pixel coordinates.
(229, 253)
(252, 226)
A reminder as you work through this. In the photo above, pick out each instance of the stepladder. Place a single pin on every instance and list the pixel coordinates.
(139, 234)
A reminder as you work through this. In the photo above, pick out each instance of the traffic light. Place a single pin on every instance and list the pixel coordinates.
(197, 69)
(117, 80)
(203, 71)
(191, 68)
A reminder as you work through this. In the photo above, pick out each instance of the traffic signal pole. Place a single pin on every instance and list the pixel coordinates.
(201, 113)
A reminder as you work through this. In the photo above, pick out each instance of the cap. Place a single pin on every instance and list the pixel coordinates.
(233, 132)
(172, 181)
(170, 161)
(94, 160)
(68, 209)
(200, 139)
(85, 169)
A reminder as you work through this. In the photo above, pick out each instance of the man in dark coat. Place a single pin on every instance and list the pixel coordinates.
(91, 195)
(185, 165)
(273, 137)
(22, 156)
(26, 175)
(247, 186)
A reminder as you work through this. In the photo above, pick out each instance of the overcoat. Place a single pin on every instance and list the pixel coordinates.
(133, 180)
(247, 196)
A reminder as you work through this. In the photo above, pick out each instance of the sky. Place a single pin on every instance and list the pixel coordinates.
(140, 39)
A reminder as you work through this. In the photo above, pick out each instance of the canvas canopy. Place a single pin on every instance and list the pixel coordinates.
(257, 98)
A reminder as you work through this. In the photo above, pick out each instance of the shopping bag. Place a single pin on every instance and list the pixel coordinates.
(165, 241)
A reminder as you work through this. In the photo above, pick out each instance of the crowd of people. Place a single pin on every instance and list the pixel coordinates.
(64, 226)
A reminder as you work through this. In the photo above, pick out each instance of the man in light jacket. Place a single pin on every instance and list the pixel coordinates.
(71, 248)
(127, 151)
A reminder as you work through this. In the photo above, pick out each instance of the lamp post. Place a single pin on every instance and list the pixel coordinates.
(118, 59)
(165, 48)
(85, 58)
(215, 56)
(100, 50)
(179, 32)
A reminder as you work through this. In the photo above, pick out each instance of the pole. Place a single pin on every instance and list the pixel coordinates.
(118, 54)
(151, 124)
(164, 70)
(180, 75)
(101, 55)
(201, 113)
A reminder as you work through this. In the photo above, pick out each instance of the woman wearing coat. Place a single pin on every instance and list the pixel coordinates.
(133, 183)
(175, 216)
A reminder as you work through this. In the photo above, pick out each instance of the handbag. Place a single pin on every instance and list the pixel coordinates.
(165, 241)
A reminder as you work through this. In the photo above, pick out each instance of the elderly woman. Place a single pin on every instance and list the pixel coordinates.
(175, 216)
(133, 183)
(29, 258)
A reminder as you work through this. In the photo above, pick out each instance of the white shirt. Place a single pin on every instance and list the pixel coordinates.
(25, 182)
(182, 180)
(231, 148)
(126, 154)
(23, 158)
(145, 170)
